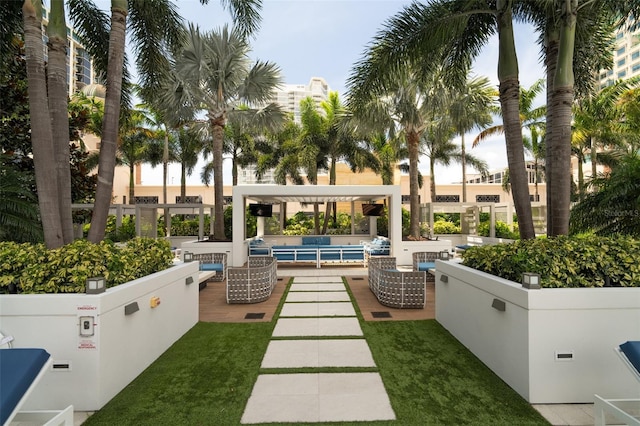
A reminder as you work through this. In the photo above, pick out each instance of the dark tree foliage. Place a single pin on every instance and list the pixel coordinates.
(615, 207)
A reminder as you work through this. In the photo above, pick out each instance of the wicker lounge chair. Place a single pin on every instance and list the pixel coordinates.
(253, 283)
(213, 262)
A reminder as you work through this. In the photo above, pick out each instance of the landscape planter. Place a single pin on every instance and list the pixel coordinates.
(101, 342)
(551, 345)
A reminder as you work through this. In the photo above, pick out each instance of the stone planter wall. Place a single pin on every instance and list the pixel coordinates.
(550, 345)
(90, 370)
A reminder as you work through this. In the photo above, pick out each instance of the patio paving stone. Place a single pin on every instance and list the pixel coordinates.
(318, 353)
(289, 327)
(324, 279)
(323, 309)
(318, 296)
(318, 397)
(317, 287)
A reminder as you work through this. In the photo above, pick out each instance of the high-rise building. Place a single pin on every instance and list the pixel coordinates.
(626, 56)
(289, 95)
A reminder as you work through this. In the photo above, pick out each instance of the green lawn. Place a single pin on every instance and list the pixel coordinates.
(206, 378)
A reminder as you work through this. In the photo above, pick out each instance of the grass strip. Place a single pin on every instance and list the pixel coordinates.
(205, 378)
(431, 378)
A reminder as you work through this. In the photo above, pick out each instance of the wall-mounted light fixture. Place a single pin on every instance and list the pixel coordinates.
(499, 305)
(443, 255)
(95, 285)
(188, 280)
(187, 256)
(444, 278)
(131, 308)
(530, 280)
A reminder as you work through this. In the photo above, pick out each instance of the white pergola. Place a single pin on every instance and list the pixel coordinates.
(311, 194)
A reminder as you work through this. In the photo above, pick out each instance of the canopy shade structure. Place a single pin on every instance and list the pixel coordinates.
(309, 194)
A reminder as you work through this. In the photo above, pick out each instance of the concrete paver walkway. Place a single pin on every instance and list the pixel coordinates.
(318, 307)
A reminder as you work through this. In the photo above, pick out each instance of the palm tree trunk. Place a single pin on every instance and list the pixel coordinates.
(41, 133)
(59, 111)
(560, 144)
(551, 59)
(594, 159)
(413, 140)
(183, 184)
(580, 178)
(332, 181)
(217, 126)
(464, 169)
(432, 179)
(132, 191)
(165, 175)
(509, 102)
(234, 170)
(108, 146)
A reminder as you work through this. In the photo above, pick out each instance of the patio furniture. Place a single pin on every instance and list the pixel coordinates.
(394, 288)
(379, 246)
(20, 371)
(626, 411)
(319, 250)
(213, 262)
(253, 283)
(258, 247)
(425, 260)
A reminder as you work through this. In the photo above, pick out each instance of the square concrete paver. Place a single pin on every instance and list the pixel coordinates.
(327, 279)
(323, 309)
(317, 287)
(288, 327)
(318, 397)
(318, 353)
(318, 296)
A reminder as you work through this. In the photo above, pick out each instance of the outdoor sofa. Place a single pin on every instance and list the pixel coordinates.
(212, 262)
(252, 283)
(317, 250)
(394, 288)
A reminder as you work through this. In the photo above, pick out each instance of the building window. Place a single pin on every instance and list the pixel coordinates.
(447, 198)
(635, 55)
(190, 199)
(534, 197)
(487, 198)
(621, 50)
(635, 67)
(622, 61)
(622, 74)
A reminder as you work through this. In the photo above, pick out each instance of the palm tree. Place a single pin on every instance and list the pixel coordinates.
(19, 215)
(576, 38)
(452, 33)
(189, 143)
(440, 148)
(613, 208)
(471, 107)
(244, 126)
(406, 102)
(532, 119)
(389, 151)
(155, 26)
(215, 70)
(336, 139)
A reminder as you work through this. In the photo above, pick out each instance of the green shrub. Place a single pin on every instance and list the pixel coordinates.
(502, 230)
(444, 227)
(27, 268)
(562, 261)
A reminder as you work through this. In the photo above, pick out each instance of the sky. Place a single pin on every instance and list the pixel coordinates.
(325, 38)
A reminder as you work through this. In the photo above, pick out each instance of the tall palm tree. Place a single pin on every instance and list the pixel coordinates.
(217, 76)
(389, 151)
(19, 214)
(244, 126)
(471, 107)
(576, 40)
(405, 102)
(452, 33)
(438, 145)
(532, 119)
(336, 139)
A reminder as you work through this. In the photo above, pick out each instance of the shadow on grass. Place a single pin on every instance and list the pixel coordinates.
(207, 376)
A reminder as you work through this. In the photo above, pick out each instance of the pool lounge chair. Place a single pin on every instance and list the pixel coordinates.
(20, 371)
(624, 410)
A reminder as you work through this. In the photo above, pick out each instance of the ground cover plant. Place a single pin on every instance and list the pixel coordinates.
(585, 261)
